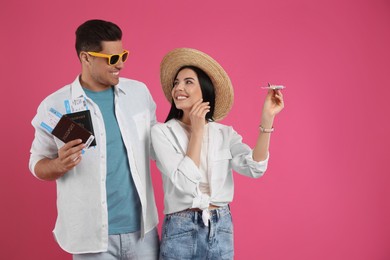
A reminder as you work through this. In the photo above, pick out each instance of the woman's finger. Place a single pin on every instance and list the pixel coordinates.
(199, 107)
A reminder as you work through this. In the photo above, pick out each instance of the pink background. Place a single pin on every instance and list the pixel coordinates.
(326, 194)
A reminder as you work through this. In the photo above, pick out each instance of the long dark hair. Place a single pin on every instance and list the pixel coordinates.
(208, 94)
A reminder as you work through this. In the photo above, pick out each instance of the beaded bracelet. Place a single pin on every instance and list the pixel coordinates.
(266, 130)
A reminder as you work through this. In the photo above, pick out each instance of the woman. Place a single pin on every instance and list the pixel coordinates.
(196, 155)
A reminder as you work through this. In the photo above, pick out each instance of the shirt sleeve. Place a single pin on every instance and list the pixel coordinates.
(181, 174)
(242, 160)
(153, 121)
(43, 145)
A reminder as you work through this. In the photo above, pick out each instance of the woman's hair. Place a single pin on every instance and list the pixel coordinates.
(90, 35)
(208, 94)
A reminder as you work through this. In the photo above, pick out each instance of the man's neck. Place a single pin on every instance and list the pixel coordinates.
(89, 84)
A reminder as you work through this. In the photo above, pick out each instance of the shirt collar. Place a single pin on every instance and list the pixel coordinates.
(178, 131)
(77, 89)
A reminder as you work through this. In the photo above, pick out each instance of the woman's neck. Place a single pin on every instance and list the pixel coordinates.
(186, 119)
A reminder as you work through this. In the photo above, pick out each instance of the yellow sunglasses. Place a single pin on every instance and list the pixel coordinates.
(112, 59)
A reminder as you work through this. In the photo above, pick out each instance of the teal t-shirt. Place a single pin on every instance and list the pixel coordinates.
(124, 206)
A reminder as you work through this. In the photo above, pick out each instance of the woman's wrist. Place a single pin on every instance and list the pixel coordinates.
(267, 121)
(266, 130)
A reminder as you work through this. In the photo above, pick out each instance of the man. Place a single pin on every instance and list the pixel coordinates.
(105, 199)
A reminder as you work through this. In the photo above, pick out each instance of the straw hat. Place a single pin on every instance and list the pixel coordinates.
(180, 57)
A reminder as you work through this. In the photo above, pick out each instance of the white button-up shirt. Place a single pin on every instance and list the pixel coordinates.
(82, 221)
(181, 176)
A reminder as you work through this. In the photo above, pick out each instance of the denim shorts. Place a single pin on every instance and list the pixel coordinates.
(184, 235)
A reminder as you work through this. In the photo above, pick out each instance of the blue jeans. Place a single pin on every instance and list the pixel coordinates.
(127, 246)
(184, 235)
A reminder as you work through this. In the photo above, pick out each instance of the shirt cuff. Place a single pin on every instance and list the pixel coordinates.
(250, 160)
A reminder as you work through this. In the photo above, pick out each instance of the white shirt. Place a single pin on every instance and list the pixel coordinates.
(203, 165)
(82, 221)
(181, 176)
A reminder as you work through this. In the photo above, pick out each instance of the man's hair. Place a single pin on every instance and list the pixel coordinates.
(90, 34)
(208, 94)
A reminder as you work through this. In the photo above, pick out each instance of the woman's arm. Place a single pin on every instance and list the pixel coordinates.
(273, 104)
(197, 117)
(181, 174)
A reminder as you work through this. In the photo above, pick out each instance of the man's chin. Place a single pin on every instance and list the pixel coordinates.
(114, 82)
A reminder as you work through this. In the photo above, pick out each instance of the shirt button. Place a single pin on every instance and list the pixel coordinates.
(103, 202)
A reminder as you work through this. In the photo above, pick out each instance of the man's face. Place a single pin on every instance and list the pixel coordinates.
(99, 75)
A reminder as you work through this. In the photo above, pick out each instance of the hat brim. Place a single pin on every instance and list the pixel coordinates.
(180, 57)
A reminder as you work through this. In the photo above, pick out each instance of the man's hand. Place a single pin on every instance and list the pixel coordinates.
(69, 156)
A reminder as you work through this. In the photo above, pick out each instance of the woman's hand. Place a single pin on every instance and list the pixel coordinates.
(273, 103)
(198, 115)
(198, 120)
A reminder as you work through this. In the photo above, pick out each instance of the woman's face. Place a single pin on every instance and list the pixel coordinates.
(186, 89)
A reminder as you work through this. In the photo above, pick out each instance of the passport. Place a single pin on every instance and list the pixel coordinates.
(67, 130)
(83, 118)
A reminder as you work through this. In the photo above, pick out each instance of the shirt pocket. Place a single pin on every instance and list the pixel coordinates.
(142, 124)
(220, 171)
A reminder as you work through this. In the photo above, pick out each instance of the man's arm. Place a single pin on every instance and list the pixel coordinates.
(69, 156)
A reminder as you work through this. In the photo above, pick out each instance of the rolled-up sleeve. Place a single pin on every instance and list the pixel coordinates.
(43, 145)
(242, 160)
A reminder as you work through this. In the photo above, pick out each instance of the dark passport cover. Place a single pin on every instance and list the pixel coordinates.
(83, 118)
(67, 130)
